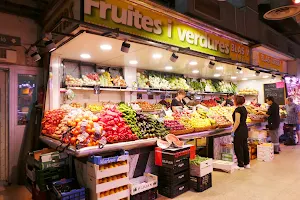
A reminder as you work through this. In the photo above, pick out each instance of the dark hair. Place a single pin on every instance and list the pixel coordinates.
(239, 100)
(270, 98)
(181, 92)
(230, 94)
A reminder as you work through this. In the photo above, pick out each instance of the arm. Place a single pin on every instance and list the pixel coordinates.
(173, 108)
(237, 121)
(223, 103)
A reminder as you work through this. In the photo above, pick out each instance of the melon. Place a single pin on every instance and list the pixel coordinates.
(178, 144)
(171, 138)
(163, 144)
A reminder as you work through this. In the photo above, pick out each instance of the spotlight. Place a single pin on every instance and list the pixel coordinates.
(50, 45)
(125, 47)
(173, 57)
(211, 64)
(257, 73)
(239, 70)
(34, 54)
(273, 76)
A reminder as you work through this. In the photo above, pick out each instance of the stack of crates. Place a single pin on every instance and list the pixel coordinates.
(174, 171)
(201, 175)
(68, 189)
(44, 167)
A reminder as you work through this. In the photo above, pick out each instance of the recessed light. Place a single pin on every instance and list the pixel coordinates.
(156, 56)
(106, 47)
(193, 63)
(219, 68)
(195, 71)
(168, 67)
(265, 76)
(217, 75)
(85, 56)
(233, 77)
(244, 79)
(133, 62)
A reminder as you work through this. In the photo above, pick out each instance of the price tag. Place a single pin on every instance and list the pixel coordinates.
(96, 89)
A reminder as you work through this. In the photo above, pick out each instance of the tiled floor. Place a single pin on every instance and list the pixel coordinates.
(277, 180)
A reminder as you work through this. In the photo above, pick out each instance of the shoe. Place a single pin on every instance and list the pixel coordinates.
(276, 152)
(239, 168)
(247, 166)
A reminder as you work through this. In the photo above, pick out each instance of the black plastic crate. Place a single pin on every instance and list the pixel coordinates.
(201, 184)
(147, 195)
(173, 179)
(171, 157)
(172, 192)
(44, 178)
(68, 189)
(183, 165)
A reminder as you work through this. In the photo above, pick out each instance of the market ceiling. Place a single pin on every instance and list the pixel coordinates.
(106, 51)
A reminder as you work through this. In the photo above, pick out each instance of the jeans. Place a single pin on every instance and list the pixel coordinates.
(274, 134)
(241, 151)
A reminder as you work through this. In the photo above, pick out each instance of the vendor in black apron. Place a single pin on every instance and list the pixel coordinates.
(228, 101)
(177, 103)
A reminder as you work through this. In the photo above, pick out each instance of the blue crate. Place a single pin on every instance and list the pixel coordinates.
(100, 160)
(75, 194)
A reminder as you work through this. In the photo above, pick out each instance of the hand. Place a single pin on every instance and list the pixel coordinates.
(232, 134)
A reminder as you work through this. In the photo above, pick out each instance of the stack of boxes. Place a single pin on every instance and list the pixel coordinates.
(107, 178)
(252, 151)
(227, 153)
(201, 175)
(174, 170)
(265, 152)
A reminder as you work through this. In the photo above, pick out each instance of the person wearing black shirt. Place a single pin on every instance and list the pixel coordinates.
(177, 101)
(228, 101)
(240, 131)
(273, 122)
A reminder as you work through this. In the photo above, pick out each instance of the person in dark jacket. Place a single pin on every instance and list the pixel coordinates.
(240, 131)
(228, 101)
(273, 122)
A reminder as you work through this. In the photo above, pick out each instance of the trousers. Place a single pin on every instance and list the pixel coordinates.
(274, 134)
(241, 151)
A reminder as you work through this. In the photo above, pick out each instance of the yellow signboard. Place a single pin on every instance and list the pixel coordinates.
(149, 24)
(270, 62)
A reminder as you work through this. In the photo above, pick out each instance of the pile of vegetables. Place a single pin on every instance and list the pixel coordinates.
(178, 83)
(129, 115)
(142, 81)
(159, 83)
(198, 159)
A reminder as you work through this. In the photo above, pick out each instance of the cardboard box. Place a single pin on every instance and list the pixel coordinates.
(143, 183)
(203, 169)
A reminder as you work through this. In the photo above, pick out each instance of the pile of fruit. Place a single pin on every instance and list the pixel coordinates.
(142, 81)
(129, 115)
(198, 122)
(177, 83)
(112, 165)
(75, 105)
(173, 125)
(209, 103)
(93, 76)
(248, 91)
(71, 81)
(222, 122)
(105, 79)
(116, 130)
(113, 191)
(145, 106)
(119, 81)
(95, 107)
(51, 122)
(88, 82)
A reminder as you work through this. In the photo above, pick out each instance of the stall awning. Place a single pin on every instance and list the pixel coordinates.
(270, 51)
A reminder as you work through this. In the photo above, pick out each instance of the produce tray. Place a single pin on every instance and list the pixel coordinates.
(143, 183)
(183, 165)
(47, 159)
(172, 192)
(202, 129)
(201, 184)
(150, 194)
(165, 178)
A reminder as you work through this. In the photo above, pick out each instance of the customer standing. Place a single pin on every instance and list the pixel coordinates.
(228, 101)
(273, 122)
(240, 130)
(293, 115)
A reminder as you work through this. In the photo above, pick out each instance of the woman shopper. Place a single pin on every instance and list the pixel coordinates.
(273, 122)
(240, 131)
(177, 103)
(228, 101)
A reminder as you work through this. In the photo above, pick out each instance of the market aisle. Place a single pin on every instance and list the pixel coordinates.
(277, 180)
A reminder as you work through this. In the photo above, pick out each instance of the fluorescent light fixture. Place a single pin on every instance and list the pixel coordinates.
(106, 47)
(193, 63)
(244, 79)
(125, 47)
(156, 56)
(195, 71)
(233, 77)
(266, 76)
(217, 75)
(168, 67)
(85, 56)
(219, 68)
(133, 62)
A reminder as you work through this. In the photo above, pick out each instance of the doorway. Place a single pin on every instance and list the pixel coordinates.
(4, 126)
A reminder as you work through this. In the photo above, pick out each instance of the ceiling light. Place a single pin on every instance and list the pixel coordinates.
(257, 73)
(168, 67)
(244, 79)
(156, 56)
(193, 63)
(219, 68)
(265, 76)
(34, 54)
(211, 64)
(173, 57)
(239, 70)
(133, 62)
(217, 75)
(85, 56)
(106, 47)
(125, 47)
(50, 46)
(233, 77)
(195, 71)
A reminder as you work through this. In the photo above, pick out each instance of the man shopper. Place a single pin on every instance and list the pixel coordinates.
(293, 115)
(273, 122)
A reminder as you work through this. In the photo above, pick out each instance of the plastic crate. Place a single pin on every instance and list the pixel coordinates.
(183, 165)
(146, 195)
(171, 157)
(75, 192)
(201, 184)
(101, 160)
(173, 179)
(172, 192)
(44, 178)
